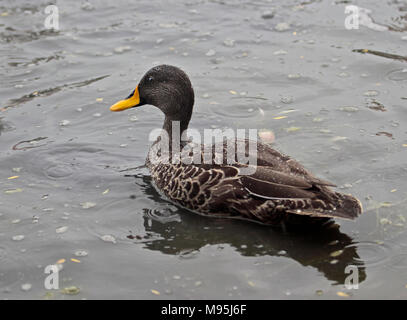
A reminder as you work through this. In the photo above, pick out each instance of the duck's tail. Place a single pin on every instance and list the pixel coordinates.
(341, 205)
(348, 207)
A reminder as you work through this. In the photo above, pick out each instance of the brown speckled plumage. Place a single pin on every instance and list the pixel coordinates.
(280, 190)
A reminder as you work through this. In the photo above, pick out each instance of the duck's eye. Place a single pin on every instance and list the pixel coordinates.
(150, 79)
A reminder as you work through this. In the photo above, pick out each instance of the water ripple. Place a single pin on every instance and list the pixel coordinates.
(398, 75)
(371, 253)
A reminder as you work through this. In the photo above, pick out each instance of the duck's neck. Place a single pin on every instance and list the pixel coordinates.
(178, 113)
(176, 124)
(175, 128)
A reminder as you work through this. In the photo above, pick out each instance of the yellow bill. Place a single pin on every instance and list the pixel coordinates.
(130, 102)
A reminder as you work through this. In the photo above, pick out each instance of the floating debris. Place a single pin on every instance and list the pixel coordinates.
(342, 294)
(33, 143)
(232, 92)
(349, 109)
(64, 123)
(87, 6)
(385, 221)
(73, 290)
(229, 43)
(371, 93)
(319, 292)
(382, 54)
(280, 52)
(210, 53)
(325, 131)
(279, 117)
(50, 91)
(292, 129)
(385, 204)
(282, 26)
(294, 76)
(18, 237)
(108, 238)
(156, 292)
(133, 118)
(61, 261)
(251, 283)
(343, 75)
(268, 14)
(384, 133)
(26, 286)
(287, 100)
(61, 229)
(81, 253)
(12, 191)
(336, 253)
(122, 49)
(75, 260)
(287, 111)
(377, 106)
(13, 177)
(267, 136)
(88, 205)
(106, 191)
(339, 138)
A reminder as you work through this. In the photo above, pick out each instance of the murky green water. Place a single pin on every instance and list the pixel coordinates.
(68, 190)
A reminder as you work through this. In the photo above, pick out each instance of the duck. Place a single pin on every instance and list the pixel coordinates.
(277, 191)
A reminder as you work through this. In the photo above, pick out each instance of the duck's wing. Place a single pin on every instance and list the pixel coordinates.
(296, 195)
(283, 182)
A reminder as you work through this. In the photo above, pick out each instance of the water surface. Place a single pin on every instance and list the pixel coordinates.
(68, 189)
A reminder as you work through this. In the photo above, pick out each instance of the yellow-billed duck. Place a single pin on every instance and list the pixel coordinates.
(279, 190)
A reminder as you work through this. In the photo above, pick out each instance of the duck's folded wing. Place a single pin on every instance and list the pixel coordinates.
(267, 174)
(315, 201)
(266, 189)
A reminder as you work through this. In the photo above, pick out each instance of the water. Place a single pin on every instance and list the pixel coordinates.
(74, 192)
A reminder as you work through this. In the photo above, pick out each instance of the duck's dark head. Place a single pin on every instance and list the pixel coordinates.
(166, 87)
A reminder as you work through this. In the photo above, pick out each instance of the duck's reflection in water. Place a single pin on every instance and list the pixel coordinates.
(324, 248)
